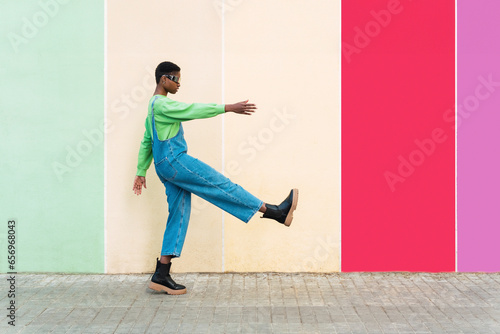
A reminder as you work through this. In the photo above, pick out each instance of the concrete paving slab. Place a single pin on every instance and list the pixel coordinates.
(413, 303)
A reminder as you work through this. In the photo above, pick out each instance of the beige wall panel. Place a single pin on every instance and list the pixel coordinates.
(140, 35)
(284, 56)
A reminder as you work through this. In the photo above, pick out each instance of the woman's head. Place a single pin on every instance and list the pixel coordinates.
(165, 68)
(167, 76)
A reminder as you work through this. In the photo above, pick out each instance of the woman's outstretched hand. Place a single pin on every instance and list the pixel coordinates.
(138, 182)
(243, 108)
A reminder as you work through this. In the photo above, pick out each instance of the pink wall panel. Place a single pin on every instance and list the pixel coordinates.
(478, 147)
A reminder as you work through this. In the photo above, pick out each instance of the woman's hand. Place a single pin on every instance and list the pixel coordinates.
(243, 108)
(138, 182)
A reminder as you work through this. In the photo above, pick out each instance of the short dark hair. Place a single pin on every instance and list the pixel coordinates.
(165, 68)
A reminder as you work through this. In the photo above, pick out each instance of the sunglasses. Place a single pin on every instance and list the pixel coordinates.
(174, 78)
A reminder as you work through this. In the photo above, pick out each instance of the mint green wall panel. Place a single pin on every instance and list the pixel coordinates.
(52, 141)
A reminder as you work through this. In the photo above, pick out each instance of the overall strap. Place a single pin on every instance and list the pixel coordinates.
(153, 128)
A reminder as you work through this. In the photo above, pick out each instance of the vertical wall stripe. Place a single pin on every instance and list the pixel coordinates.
(52, 133)
(398, 148)
(456, 142)
(223, 120)
(105, 121)
(340, 138)
(478, 122)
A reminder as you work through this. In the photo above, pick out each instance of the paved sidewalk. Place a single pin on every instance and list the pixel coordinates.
(257, 303)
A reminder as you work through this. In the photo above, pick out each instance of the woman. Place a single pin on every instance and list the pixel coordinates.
(182, 174)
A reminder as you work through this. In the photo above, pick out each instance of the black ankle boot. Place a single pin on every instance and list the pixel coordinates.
(283, 213)
(161, 280)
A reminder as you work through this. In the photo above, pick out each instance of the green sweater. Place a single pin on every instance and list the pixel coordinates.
(168, 116)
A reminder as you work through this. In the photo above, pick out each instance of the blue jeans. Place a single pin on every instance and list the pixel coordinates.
(183, 175)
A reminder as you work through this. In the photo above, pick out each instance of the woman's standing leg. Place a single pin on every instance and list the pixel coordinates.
(179, 210)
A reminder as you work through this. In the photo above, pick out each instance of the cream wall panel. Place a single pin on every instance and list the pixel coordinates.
(284, 56)
(140, 35)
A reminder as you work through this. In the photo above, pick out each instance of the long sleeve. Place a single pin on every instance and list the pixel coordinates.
(174, 111)
(145, 152)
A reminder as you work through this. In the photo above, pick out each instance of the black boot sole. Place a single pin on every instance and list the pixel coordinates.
(295, 200)
(162, 288)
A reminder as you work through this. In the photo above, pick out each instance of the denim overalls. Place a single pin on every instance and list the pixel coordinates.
(182, 175)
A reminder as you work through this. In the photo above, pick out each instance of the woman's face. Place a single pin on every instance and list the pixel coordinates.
(169, 82)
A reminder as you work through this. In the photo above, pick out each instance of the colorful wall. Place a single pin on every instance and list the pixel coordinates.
(398, 153)
(478, 138)
(382, 113)
(52, 142)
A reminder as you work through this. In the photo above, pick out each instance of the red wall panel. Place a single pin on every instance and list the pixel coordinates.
(398, 142)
